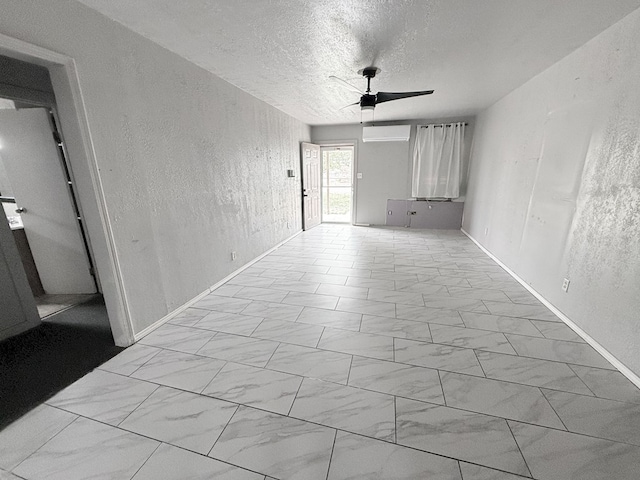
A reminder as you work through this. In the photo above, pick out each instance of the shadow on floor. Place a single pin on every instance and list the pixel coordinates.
(37, 364)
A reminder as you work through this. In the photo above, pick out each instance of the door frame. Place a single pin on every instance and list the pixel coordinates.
(73, 123)
(354, 168)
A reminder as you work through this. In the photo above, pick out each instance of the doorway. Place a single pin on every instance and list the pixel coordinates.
(54, 325)
(337, 184)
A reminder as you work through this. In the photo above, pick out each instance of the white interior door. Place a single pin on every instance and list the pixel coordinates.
(311, 194)
(18, 310)
(32, 163)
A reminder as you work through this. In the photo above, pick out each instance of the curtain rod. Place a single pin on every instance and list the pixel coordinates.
(440, 126)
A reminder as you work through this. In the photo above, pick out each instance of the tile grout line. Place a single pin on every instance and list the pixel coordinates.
(333, 447)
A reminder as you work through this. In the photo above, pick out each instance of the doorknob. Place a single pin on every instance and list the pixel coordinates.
(21, 210)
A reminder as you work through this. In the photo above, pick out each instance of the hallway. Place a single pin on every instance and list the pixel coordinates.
(348, 353)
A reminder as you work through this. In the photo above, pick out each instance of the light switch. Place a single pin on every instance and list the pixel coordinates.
(359, 176)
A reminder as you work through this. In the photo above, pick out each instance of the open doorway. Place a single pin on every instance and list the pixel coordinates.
(54, 326)
(38, 199)
(337, 184)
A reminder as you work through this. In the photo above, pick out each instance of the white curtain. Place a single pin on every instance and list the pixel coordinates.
(437, 160)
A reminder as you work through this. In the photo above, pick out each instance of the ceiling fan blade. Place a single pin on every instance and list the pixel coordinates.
(388, 96)
(350, 105)
(346, 84)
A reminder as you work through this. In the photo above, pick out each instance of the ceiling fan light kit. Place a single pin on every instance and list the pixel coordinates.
(368, 101)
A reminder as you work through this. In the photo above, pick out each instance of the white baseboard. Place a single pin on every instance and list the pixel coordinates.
(184, 306)
(621, 367)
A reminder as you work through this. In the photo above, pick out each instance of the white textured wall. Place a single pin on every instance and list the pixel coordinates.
(192, 167)
(386, 167)
(555, 178)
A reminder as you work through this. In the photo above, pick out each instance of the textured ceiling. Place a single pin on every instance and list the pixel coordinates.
(472, 52)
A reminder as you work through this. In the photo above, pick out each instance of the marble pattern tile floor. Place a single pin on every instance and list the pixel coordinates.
(348, 353)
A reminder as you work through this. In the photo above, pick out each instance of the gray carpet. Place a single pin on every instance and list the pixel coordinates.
(37, 364)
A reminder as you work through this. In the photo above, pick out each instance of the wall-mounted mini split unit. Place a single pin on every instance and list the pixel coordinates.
(388, 133)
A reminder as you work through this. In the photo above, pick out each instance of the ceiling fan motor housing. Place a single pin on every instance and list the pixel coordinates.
(367, 102)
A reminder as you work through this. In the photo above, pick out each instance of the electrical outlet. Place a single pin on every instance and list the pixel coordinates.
(486, 231)
(565, 285)
(234, 255)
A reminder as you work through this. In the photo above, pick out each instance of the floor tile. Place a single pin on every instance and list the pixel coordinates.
(171, 463)
(311, 300)
(557, 350)
(130, 359)
(88, 449)
(422, 288)
(346, 408)
(408, 381)
(356, 343)
(531, 371)
(251, 281)
(103, 396)
(289, 332)
(334, 263)
(501, 399)
(312, 269)
(256, 387)
(444, 280)
(282, 274)
(350, 272)
(370, 283)
(523, 297)
(30, 432)
(394, 276)
(553, 454)
(324, 278)
(556, 331)
(179, 370)
(471, 338)
(476, 472)
(444, 357)
(608, 384)
(525, 311)
(393, 296)
(311, 362)
(8, 476)
(222, 304)
(330, 318)
(481, 321)
(229, 323)
(295, 286)
(455, 433)
(261, 294)
(367, 307)
(175, 337)
(356, 457)
(181, 418)
(395, 327)
(478, 293)
(343, 291)
(282, 447)
(597, 417)
(227, 290)
(274, 311)
(455, 303)
(189, 317)
(427, 314)
(239, 349)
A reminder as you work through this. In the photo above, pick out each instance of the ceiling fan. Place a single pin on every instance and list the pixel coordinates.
(368, 101)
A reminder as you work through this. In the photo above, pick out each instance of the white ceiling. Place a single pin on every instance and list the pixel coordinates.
(472, 52)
